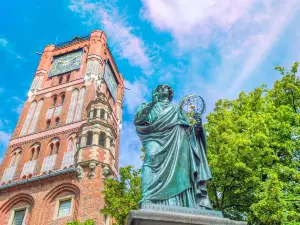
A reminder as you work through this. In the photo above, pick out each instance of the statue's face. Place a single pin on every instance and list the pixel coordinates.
(162, 92)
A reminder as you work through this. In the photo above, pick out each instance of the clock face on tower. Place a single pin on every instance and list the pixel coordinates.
(110, 80)
(66, 63)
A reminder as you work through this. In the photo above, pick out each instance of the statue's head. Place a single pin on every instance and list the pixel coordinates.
(164, 91)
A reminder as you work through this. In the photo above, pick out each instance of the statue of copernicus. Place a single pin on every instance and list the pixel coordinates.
(175, 168)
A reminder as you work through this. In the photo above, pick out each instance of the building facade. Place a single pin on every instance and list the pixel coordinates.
(66, 142)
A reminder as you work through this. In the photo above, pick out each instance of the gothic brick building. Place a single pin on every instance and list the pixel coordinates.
(66, 141)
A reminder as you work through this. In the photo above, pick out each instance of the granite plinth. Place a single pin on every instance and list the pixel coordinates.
(166, 215)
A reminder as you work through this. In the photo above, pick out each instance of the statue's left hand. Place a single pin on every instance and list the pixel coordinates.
(198, 118)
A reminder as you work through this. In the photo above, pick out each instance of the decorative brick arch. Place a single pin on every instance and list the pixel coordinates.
(16, 199)
(53, 193)
(66, 187)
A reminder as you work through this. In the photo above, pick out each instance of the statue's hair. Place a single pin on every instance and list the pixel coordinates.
(171, 92)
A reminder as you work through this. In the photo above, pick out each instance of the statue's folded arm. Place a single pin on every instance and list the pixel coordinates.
(140, 117)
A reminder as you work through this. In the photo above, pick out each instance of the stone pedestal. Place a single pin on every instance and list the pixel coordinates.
(166, 215)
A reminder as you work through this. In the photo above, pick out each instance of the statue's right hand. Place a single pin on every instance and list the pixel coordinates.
(154, 98)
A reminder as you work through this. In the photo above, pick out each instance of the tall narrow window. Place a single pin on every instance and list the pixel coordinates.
(89, 138)
(31, 154)
(19, 217)
(102, 114)
(56, 147)
(102, 139)
(95, 113)
(70, 145)
(64, 208)
(72, 106)
(37, 153)
(40, 82)
(13, 159)
(60, 80)
(63, 99)
(28, 118)
(51, 148)
(80, 105)
(68, 78)
(17, 158)
(57, 121)
(35, 82)
(54, 101)
(36, 116)
(48, 124)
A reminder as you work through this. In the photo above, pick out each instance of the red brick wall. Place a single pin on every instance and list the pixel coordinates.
(87, 201)
(87, 192)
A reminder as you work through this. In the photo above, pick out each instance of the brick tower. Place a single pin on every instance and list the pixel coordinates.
(66, 141)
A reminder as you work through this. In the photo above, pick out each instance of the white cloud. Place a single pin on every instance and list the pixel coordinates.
(241, 32)
(130, 146)
(266, 42)
(120, 34)
(20, 103)
(4, 139)
(135, 95)
(191, 21)
(3, 42)
(9, 49)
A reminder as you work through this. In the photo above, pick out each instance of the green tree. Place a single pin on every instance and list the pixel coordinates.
(253, 151)
(122, 195)
(87, 222)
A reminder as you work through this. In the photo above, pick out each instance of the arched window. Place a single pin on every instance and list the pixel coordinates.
(37, 153)
(89, 138)
(40, 82)
(102, 139)
(56, 147)
(60, 80)
(68, 78)
(28, 118)
(62, 98)
(102, 113)
(48, 124)
(13, 159)
(31, 154)
(36, 116)
(72, 106)
(95, 113)
(70, 145)
(80, 104)
(54, 101)
(35, 82)
(51, 148)
(57, 121)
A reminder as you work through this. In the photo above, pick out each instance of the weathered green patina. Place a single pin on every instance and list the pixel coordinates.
(175, 168)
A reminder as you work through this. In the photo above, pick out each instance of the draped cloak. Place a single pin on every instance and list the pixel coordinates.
(175, 167)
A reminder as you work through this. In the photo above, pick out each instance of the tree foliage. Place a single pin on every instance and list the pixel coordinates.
(122, 195)
(254, 155)
(87, 222)
(253, 151)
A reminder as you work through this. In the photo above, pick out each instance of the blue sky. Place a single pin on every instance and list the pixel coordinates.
(208, 47)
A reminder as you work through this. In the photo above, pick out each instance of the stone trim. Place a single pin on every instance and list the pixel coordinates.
(68, 84)
(96, 57)
(46, 134)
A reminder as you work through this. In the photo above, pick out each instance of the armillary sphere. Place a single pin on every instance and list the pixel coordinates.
(192, 104)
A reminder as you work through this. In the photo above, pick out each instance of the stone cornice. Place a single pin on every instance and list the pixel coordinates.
(98, 121)
(96, 57)
(46, 134)
(68, 84)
